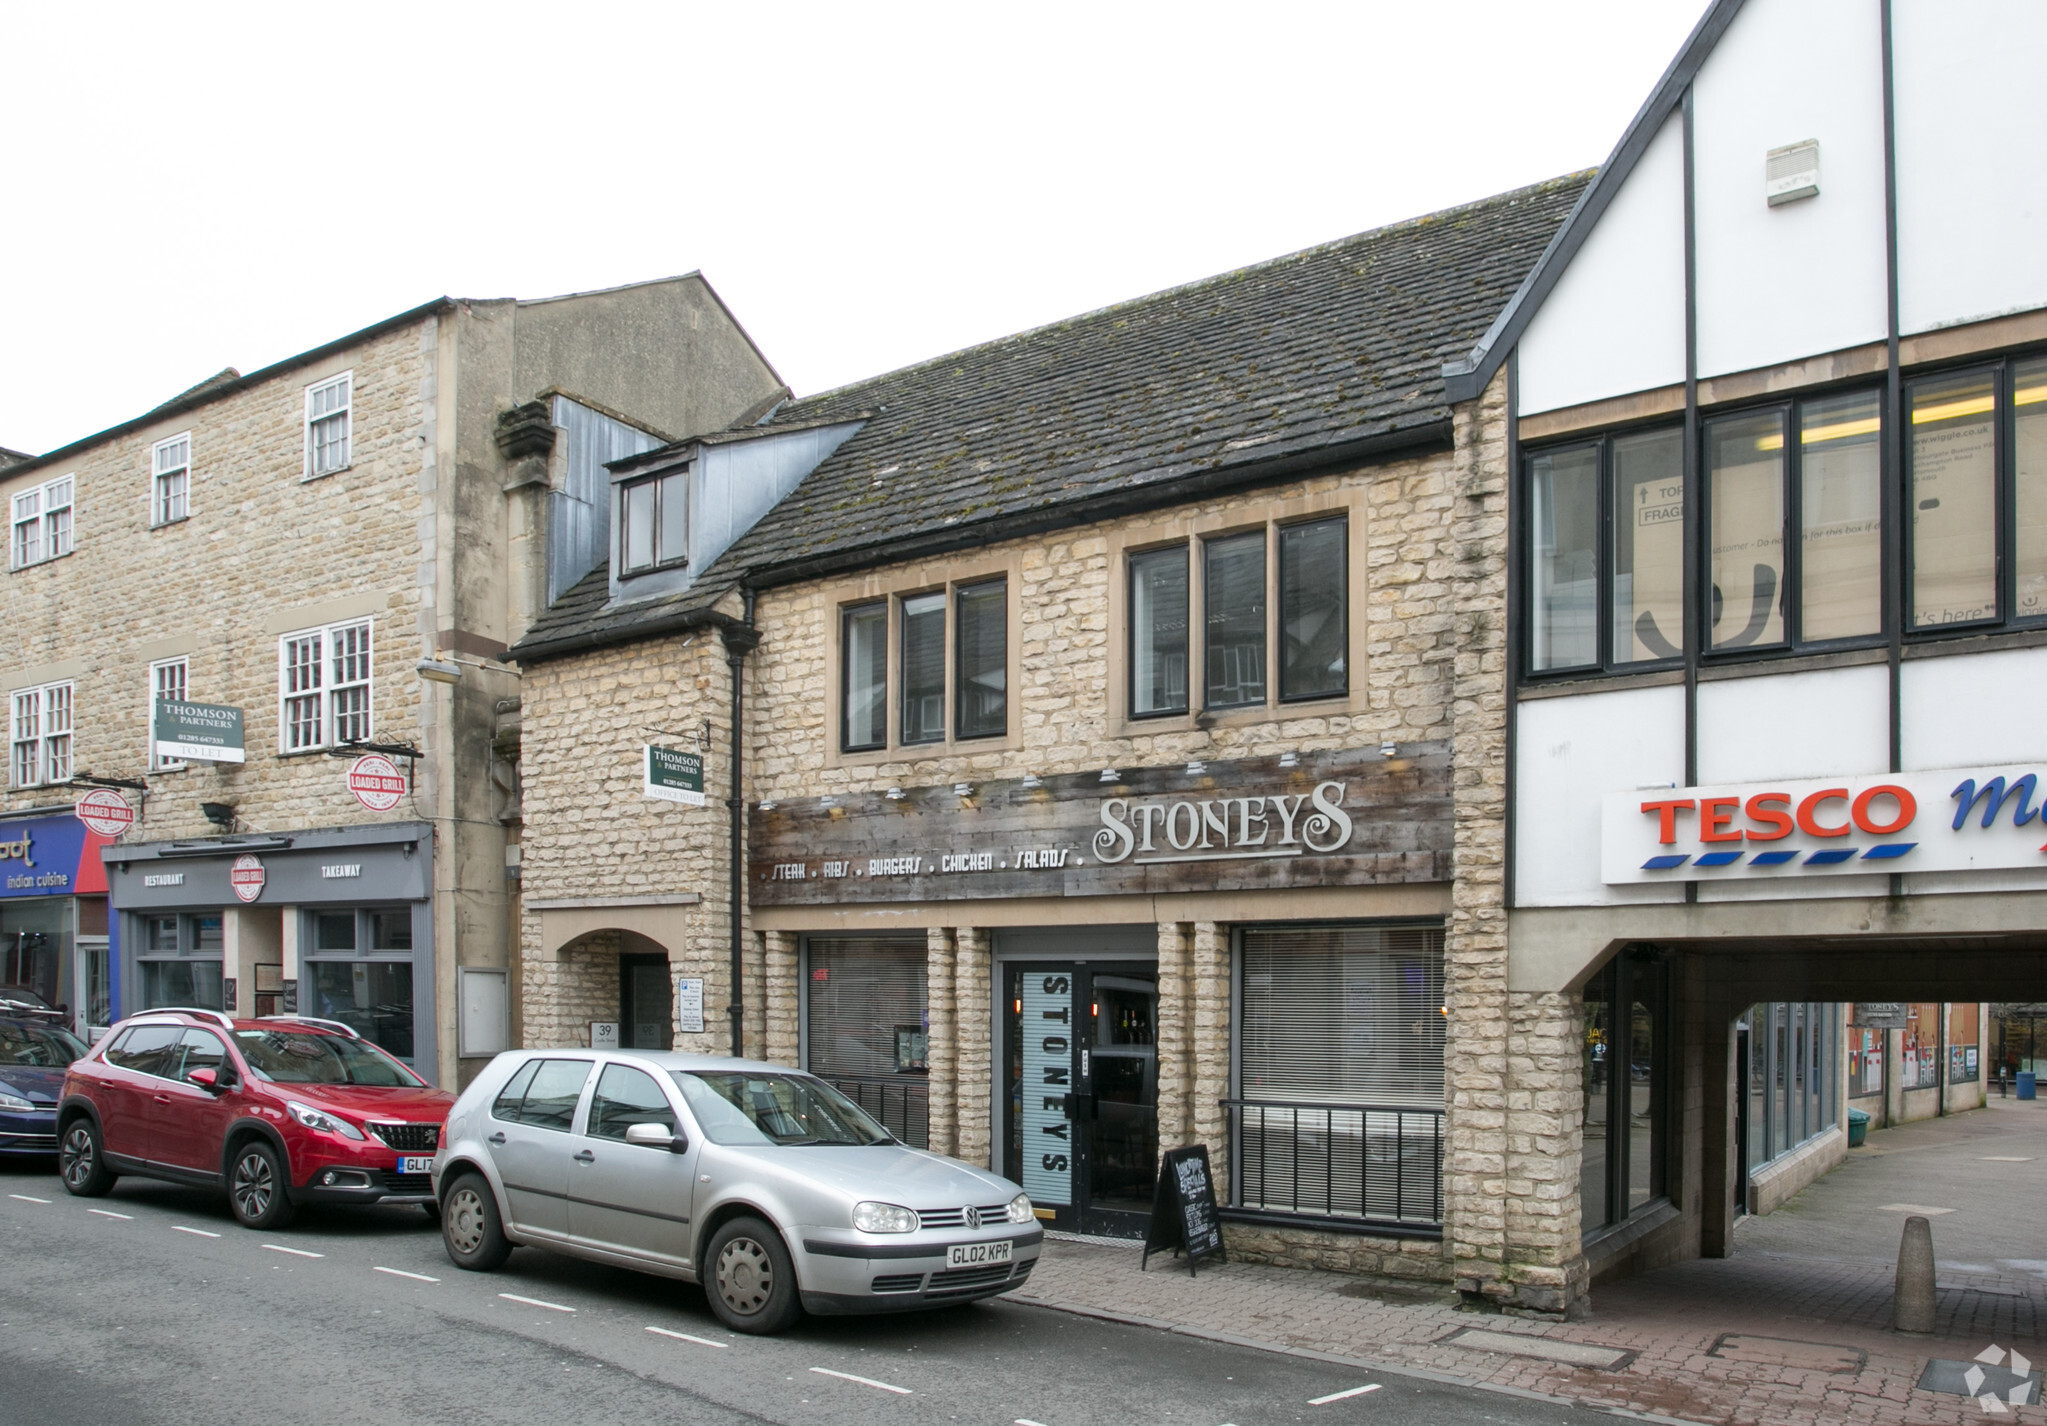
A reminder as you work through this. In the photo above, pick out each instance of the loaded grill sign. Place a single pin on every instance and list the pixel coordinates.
(1342, 817)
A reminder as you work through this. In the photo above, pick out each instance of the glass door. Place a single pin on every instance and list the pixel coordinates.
(1081, 1107)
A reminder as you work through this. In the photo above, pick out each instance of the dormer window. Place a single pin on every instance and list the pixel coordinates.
(655, 525)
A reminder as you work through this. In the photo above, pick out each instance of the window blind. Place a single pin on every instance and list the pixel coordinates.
(1343, 1015)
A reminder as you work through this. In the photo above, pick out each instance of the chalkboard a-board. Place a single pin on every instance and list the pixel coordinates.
(1183, 1215)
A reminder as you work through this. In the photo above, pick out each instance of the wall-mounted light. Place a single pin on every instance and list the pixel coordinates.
(220, 814)
(963, 789)
(768, 805)
(1196, 768)
(1110, 774)
(1032, 782)
(828, 801)
(894, 794)
(1388, 748)
(439, 671)
(1289, 759)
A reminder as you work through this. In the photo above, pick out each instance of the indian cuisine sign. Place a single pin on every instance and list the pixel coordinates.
(1343, 817)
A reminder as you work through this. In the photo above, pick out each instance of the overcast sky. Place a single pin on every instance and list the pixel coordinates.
(193, 187)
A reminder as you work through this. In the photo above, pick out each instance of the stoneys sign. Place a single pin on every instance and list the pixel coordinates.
(1338, 818)
(1957, 819)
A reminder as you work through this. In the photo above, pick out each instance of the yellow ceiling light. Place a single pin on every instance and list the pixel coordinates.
(1954, 410)
(1841, 430)
(2029, 395)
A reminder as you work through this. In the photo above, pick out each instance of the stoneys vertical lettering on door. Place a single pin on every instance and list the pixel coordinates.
(1047, 1088)
(246, 877)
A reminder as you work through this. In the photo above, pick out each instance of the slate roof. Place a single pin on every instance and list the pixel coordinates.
(1307, 359)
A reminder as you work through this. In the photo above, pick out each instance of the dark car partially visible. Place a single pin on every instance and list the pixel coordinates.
(35, 1050)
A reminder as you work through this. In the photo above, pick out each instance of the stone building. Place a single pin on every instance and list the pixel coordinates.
(265, 624)
(1102, 739)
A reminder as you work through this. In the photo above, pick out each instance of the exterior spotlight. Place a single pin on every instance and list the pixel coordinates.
(1196, 768)
(1289, 759)
(768, 805)
(894, 794)
(963, 789)
(1388, 748)
(1031, 782)
(1110, 774)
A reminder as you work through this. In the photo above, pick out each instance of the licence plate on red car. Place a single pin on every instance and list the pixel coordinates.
(408, 1163)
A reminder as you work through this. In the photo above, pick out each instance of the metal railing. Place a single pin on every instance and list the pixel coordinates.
(1368, 1163)
(903, 1106)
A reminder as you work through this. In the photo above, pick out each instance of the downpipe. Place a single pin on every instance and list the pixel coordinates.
(740, 640)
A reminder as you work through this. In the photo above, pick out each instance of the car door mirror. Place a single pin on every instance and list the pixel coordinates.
(657, 1136)
(206, 1079)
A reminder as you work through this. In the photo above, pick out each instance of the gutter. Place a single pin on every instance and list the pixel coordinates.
(683, 621)
(1435, 434)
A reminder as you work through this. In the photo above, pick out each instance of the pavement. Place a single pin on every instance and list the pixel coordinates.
(1793, 1329)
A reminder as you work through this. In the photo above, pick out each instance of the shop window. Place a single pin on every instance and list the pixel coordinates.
(1158, 632)
(1625, 1153)
(168, 680)
(42, 522)
(1794, 1051)
(951, 651)
(180, 961)
(170, 480)
(1921, 1054)
(42, 724)
(1964, 1065)
(866, 1027)
(1338, 1111)
(654, 533)
(35, 944)
(329, 425)
(324, 686)
(358, 970)
(1309, 583)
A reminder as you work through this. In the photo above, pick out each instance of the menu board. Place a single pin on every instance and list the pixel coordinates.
(1183, 1214)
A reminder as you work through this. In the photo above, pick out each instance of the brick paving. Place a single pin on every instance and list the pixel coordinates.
(1793, 1329)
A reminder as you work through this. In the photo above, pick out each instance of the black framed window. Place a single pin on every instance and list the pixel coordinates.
(655, 532)
(863, 658)
(1233, 606)
(1840, 517)
(181, 960)
(357, 969)
(1564, 525)
(945, 648)
(2029, 489)
(1314, 610)
(1158, 632)
(1745, 468)
(922, 633)
(1627, 1090)
(981, 662)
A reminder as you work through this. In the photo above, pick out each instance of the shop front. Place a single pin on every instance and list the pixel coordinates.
(335, 923)
(53, 917)
(1061, 977)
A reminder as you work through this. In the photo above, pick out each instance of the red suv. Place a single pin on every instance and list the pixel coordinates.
(280, 1111)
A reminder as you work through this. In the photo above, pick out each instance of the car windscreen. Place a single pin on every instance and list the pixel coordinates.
(25, 1042)
(306, 1057)
(745, 1107)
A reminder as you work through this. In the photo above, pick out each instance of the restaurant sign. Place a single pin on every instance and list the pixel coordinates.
(1954, 819)
(197, 732)
(1341, 817)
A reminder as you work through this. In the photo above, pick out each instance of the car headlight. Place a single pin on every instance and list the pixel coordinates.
(1020, 1209)
(323, 1122)
(883, 1218)
(10, 1100)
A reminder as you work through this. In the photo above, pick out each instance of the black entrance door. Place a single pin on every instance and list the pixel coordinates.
(645, 1016)
(1081, 1121)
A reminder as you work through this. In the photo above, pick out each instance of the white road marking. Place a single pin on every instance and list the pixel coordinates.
(26, 1199)
(1343, 1395)
(1919, 1208)
(195, 1232)
(1987, 1158)
(864, 1381)
(685, 1337)
(400, 1272)
(535, 1302)
(1026, 1421)
(295, 1252)
(109, 1213)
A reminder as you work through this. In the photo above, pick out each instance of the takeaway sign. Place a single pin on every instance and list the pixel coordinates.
(1956, 819)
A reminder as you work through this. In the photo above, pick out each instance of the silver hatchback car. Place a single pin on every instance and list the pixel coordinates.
(766, 1184)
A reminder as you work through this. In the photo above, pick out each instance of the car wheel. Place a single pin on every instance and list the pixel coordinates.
(81, 1164)
(257, 1186)
(751, 1282)
(471, 1230)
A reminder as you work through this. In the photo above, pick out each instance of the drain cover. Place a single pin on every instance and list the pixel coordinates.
(1980, 1379)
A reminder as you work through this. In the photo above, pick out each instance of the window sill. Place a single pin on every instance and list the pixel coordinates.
(167, 524)
(38, 564)
(923, 752)
(1336, 705)
(1309, 1222)
(326, 474)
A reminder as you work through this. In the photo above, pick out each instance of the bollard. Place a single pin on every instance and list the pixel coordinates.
(1912, 1305)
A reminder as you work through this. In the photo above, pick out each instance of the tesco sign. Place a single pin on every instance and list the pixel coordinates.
(1954, 819)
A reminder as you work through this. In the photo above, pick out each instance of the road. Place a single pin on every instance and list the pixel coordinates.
(152, 1305)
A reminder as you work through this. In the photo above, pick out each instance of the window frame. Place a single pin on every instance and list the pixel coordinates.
(660, 482)
(50, 530)
(1131, 558)
(160, 514)
(363, 952)
(1619, 977)
(345, 414)
(42, 738)
(895, 686)
(327, 690)
(157, 670)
